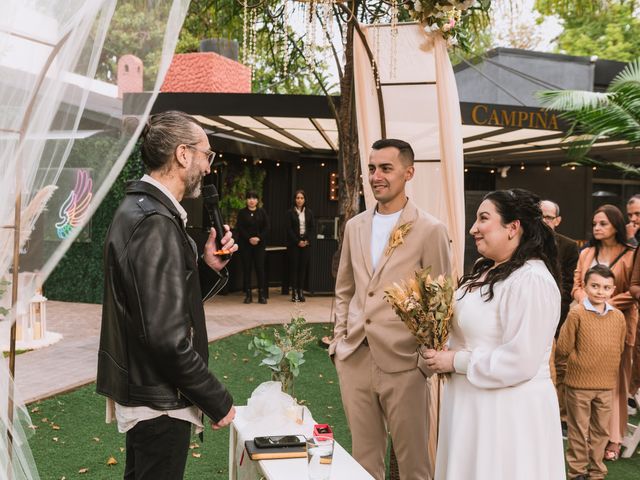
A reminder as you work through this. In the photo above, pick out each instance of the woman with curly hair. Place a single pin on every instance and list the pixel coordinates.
(500, 418)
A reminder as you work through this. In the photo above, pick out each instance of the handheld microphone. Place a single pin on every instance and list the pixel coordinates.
(211, 200)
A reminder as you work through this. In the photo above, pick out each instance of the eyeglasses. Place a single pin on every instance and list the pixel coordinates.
(211, 155)
(549, 217)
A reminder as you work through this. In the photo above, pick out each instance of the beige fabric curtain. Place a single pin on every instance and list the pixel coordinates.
(420, 105)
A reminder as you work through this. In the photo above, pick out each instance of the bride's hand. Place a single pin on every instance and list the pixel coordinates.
(439, 362)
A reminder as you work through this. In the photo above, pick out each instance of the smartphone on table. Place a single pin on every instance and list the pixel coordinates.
(275, 441)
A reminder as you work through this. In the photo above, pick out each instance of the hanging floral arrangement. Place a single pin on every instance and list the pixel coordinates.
(451, 18)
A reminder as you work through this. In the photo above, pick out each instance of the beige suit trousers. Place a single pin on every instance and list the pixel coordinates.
(376, 403)
(588, 418)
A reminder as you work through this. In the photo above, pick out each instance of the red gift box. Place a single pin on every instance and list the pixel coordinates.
(322, 430)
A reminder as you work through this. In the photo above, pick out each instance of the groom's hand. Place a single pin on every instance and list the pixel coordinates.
(225, 421)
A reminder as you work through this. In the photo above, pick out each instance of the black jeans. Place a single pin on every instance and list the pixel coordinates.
(253, 256)
(298, 265)
(157, 449)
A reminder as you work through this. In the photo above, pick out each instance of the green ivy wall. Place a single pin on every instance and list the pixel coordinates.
(79, 275)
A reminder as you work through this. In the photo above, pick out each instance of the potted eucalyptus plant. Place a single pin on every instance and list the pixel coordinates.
(283, 351)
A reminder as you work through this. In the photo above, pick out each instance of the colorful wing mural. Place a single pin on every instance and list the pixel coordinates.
(76, 206)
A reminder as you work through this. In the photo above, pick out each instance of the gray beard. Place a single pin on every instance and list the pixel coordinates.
(193, 187)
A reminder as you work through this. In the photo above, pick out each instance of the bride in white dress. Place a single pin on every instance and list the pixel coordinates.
(499, 418)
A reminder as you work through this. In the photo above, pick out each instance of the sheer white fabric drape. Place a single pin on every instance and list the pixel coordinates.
(59, 101)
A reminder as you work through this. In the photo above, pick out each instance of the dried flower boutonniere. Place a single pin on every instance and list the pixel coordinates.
(397, 237)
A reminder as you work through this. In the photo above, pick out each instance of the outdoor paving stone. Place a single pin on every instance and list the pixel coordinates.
(72, 361)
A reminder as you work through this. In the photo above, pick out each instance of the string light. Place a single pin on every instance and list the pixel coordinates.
(322, 164)
(548, 167)
(521, 165)
(244, 160)
(594, 168)
(573, 167)
(298, 167)
(466, 170)
(493, 171)
(277, 164)
(333, 186)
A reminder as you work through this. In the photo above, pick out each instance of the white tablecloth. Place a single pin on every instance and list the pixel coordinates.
(243, 468)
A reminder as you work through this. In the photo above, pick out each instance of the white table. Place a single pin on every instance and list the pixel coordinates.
(343, 465)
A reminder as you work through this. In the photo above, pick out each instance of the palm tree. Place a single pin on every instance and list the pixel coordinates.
(614, 115)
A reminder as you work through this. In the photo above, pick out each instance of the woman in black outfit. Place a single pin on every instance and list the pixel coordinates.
(252, 226)
(300, 232)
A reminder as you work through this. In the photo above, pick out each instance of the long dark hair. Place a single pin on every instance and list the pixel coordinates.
(614, 215)
(537, 240)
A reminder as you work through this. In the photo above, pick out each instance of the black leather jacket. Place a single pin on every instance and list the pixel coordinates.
(153, 340)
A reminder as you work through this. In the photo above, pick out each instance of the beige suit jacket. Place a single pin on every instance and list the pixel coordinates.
(361, 310)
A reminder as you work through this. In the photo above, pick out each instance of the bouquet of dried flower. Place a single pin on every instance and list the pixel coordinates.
(425, 306)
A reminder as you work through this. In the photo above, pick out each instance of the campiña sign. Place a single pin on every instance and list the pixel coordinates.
(482, 114)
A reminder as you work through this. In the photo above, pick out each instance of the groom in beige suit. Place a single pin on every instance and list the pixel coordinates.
(383, 380)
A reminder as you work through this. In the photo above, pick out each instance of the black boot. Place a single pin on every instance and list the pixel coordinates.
(294, 295)
(301, 296)
(262, 297)
(248, 297)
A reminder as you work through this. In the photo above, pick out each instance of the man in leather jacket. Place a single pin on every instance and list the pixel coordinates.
(152, 361)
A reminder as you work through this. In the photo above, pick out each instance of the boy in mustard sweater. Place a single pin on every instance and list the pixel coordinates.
(592, 341)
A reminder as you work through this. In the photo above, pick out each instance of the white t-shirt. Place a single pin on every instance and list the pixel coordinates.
(381, 229)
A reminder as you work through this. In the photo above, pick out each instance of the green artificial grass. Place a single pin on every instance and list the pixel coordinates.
(84, 441)
(18, 352)
(71, 436)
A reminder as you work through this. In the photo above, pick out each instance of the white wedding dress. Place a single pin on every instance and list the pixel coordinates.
(499, 415)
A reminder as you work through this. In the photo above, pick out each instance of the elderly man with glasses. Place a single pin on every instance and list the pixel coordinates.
(153, 355)
(567, 258)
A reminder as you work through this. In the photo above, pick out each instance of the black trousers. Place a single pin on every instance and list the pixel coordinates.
(253, 256)
(298, 266)
(157, 449)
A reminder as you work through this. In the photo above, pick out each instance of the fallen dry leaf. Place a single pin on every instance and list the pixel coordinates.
(194, 445)
(83, 470)
(45, 420)
(33, 427)
(196, 455)
(35, 409)
(55, 427)
(121, 449)
(96, 439)
(112, 461)
(55, 439)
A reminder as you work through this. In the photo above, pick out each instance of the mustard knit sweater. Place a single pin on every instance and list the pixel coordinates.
(593, 344)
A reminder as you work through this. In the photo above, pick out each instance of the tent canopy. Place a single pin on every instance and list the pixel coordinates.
(288, 127)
